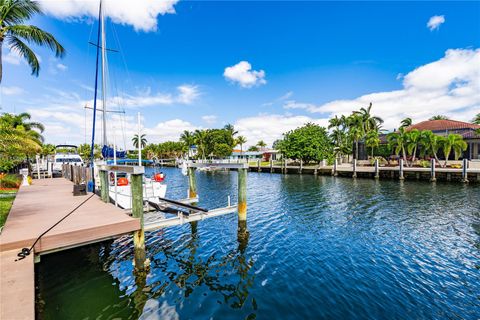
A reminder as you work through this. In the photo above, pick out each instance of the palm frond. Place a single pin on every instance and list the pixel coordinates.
(25, 52)
(17, 11)
(37, 36)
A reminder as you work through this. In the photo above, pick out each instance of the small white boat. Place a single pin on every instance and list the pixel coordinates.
(153, 189)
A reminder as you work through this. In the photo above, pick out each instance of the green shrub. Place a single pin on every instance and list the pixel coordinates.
(10, 181)
(425, 163)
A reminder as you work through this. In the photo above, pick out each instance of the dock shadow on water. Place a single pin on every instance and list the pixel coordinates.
(312, 247)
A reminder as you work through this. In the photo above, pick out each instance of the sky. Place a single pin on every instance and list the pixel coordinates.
(266, 67)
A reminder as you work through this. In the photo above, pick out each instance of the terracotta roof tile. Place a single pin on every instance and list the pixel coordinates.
(442, 125)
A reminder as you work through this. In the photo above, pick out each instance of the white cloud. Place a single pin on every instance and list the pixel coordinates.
(270, 127)
(11, 91)
(61, 67)
(11, 57)
(292, 104)
(447, 86)
(210, 119)
(435, 22)
(187, 93)
(168, 130)
(141, 14)
(243, 75)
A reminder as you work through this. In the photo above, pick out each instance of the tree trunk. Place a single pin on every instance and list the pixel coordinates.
(1, 70)
(356, 149)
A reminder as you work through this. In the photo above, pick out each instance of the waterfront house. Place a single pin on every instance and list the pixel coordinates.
(466, 129)
(263, 155)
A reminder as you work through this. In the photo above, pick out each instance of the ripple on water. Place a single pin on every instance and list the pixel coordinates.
(316, 247)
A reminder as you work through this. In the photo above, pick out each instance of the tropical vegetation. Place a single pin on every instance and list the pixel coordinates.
(17, 35)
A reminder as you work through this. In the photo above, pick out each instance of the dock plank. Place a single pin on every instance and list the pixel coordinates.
(17, 287)
(39, 206)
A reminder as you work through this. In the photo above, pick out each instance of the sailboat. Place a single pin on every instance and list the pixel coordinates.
(120, 191)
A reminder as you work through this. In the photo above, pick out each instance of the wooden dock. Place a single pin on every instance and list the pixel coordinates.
(35, 209)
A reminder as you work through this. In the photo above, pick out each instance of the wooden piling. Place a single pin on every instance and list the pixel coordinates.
(354, 175)
(258, 165)
(271, 165)
(334, 171)
(242, 194)
(192, 183)
(301, 167)
(104, 186)
(464, 170)
(377, 172)
(400, 170)
(137, 212)
(432, 170)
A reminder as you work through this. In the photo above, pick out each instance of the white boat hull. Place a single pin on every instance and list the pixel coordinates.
(152, 190)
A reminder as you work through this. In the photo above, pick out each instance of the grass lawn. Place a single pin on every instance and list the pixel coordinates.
(6, 200)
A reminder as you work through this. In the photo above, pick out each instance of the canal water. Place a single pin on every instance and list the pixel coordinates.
(316, 247)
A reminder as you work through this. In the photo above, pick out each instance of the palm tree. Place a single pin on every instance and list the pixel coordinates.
(356, 129)
(261, 144)
(432, 143)
(407, 122)
(413, 139)
(13, 13)
(398, 141)
(201, 140)
(369, 122)
(372, 140)
(476, 120)
(17, 121)
(439, 117)
(241, 140)
(143, 141)
(455, 142)
(230, 128)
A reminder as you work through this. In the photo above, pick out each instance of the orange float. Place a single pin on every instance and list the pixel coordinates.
(122, 182)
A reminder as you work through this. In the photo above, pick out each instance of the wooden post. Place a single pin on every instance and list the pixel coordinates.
(432, 170)
(400, 170)
(377, 172)
(301, 167)
(137, 212)
(464, 171)
(258, 165)
(354, 175)
(334, 171)
(192, 183)
(71, 173)
(271, 165)
(286, 165)
(242, 194)
(104, 186)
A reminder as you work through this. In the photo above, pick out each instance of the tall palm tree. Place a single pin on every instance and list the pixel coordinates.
(369, 122)
(230, 128)
(439, 117)
(241, 140)
(143, 141)
(407, 122)
(453, 142)
(261, 144)
(15, 34)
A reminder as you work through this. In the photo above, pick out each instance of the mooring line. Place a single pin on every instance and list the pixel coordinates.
(26, 251)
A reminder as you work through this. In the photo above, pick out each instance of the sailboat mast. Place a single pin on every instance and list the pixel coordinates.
(104, 80)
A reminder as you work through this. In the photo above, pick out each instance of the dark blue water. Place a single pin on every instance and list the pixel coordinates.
(315, 247)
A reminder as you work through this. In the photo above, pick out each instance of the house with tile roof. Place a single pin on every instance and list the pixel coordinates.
(469, 132)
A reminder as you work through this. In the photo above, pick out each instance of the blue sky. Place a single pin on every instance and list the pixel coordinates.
(308, 60)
